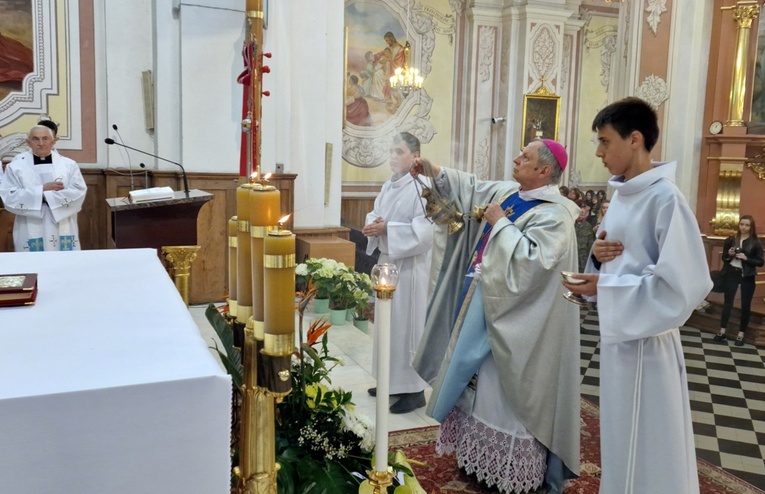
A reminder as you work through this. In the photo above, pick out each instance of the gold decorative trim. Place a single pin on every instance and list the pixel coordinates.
(244, 226)
(279, 261)
(744, 13)
(261, 231)
(243, 313)
(232, 306)
(233, 242)
(279, 345)
(758, 168)
(255, 14)
(385, 292)
(180, 258)
(757, 164)
(728, 200)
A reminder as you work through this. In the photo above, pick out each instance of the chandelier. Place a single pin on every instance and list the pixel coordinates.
(406, 79)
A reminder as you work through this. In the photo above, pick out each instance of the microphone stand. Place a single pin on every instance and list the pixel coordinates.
(183, 170)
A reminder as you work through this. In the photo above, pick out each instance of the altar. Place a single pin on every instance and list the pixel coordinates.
(106, 384)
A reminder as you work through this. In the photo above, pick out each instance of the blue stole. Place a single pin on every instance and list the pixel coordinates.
(36, 244)
(65, 242)
(472, 345)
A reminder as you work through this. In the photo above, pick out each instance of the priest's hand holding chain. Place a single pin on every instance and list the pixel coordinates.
(423, 166)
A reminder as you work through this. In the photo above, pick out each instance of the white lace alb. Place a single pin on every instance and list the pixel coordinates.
(513, 465)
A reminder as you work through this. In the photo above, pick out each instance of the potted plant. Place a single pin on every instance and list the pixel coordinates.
(341, 295)
(320, 274)
(363, 302)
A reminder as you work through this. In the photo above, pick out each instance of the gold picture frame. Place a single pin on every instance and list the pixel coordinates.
(541, 116)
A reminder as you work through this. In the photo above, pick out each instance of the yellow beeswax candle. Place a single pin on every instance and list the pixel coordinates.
(265, 205)
(254, 4)
(232, 259)
(244, 259)
(279, 295)
(265, 208)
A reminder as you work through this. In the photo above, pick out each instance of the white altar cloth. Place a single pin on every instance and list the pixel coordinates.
(106, 384)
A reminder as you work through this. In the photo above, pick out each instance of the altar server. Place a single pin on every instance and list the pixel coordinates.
(45, 191)
(398, 227)
(649, 273)
(501, 344)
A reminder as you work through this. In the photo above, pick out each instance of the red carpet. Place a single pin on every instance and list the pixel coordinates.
(441, 475)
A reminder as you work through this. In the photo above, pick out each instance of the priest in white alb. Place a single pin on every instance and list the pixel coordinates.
(648, 274)
(45, 191)
(398, 227)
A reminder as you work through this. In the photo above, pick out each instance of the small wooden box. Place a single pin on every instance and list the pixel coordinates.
(339, 249)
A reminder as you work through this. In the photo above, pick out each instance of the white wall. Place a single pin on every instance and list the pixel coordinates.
(123, 33)
(194, 50)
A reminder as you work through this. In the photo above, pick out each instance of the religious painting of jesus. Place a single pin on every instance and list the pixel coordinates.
(541, 115)
(16, 44)
(375, 49)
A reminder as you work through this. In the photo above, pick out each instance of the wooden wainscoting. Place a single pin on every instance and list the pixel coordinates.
(357, 201)
(6, 231)
(209, 271)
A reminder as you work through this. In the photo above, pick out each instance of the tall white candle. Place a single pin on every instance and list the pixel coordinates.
(383, 383)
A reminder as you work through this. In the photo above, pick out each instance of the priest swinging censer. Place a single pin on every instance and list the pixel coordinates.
(441, 211)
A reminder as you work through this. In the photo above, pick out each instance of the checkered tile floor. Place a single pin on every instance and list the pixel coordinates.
(727, 391)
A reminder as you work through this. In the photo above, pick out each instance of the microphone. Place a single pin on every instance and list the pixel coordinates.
(111, 141)
(145, 175)
(130, 162)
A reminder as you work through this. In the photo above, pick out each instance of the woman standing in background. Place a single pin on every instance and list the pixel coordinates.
(742, 255)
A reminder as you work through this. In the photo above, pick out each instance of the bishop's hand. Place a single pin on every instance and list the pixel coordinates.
(423, 166)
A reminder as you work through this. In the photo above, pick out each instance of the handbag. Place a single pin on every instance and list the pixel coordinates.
(718, 279)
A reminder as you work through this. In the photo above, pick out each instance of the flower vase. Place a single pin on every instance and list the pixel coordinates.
(337, 316)
(321, 305)
(362, 325)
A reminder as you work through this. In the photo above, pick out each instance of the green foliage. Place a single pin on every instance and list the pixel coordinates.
(229, 355)
(320, 438)
(362, 295)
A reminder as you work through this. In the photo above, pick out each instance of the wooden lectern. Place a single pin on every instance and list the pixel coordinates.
(168, 225)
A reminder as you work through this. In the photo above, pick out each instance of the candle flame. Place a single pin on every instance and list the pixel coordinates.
(253, 177)
(284, 219)
(266, 177)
